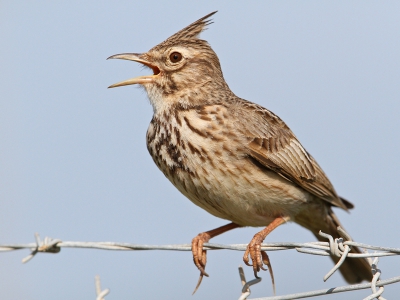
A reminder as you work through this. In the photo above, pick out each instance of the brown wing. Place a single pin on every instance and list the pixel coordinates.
(273, 144)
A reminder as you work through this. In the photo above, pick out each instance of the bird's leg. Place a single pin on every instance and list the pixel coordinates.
(200, 255)
(254, 247)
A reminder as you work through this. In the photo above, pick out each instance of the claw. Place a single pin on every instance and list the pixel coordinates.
(267, 262)
(198, 283)
(264, 269)
(246, 257)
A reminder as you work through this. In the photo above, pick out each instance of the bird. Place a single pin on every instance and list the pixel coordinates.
(231, 157)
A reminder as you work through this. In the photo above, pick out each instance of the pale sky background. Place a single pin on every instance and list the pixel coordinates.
(73, 159)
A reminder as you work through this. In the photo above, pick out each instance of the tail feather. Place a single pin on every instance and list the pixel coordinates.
(354, 270)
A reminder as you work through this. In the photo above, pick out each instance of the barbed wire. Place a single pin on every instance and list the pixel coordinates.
(339, 247)
(100, 293)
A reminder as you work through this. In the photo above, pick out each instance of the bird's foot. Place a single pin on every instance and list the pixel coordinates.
(258, 258)
(256, 255)
(200, 255)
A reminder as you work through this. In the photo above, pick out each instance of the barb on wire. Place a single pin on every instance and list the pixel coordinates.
(377, 273)
(246, 284)
(338, 249)
(99, 293)
(47, 245)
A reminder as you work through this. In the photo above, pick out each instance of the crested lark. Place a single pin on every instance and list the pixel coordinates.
(233, 158)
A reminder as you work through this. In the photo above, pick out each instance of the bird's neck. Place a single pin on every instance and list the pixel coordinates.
(206, 93)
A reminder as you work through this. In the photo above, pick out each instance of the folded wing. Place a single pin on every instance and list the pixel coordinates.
(273, 144)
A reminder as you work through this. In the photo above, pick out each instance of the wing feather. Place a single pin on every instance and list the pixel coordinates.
(273, 144)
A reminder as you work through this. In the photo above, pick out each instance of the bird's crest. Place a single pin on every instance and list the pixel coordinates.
(190, 32)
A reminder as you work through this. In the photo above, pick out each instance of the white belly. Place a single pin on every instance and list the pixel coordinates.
(217, 175)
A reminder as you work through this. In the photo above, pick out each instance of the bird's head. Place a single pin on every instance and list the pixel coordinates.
(185, 69)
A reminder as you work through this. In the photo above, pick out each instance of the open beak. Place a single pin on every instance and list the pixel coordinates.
(137, 80)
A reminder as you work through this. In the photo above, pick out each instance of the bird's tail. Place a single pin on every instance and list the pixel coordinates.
(354, 270)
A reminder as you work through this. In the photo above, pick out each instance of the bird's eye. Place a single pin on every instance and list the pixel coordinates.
(175, 57)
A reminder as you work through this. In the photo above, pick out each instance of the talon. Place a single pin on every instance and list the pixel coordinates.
(256, 269)
(246, 257)
(267, 262)
(198, 283)
(247, 261)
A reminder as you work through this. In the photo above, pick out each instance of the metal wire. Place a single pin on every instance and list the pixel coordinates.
(99, 293)
(334, 247)
(246, 285)
(333, 290)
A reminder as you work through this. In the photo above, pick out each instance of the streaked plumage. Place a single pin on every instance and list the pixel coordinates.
(233, 158)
